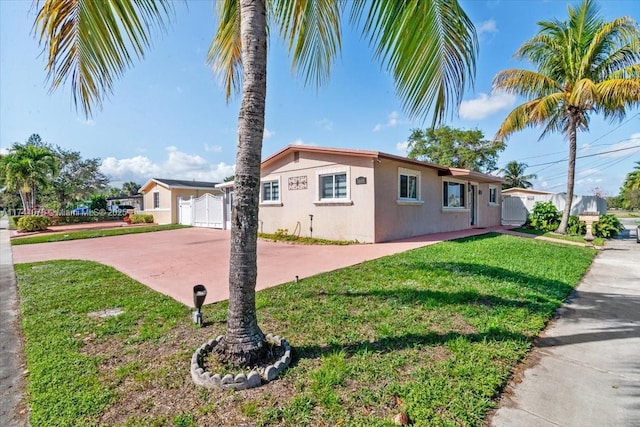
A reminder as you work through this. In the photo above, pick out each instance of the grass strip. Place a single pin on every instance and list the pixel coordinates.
(434, 332)
(91, 234)
(598, 241)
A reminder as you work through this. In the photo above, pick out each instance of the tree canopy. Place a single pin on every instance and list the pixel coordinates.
(455, 147)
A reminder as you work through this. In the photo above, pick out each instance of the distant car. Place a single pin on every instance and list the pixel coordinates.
(638, 234)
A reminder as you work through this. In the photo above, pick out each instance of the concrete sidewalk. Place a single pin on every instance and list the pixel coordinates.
(585, 368)
(12, 409)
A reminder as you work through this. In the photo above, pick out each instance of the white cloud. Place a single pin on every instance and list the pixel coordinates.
(178, 165)
(487, 27)
(4, 151)
(325, 124)
(392, 121)
(267, 133)
(213, 148)
(485, 105)
(588, 172)
(402, 147)
(623, 147)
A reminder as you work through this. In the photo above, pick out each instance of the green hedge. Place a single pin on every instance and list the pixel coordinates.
(33, 223)
(141, 218)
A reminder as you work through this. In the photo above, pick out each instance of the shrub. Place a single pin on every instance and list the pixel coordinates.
(576, 227)
(544, 217)
(141, 218)
(33, 223)
(607, 226)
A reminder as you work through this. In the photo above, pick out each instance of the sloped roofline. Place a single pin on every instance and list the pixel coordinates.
(184, 184)
(442, 170)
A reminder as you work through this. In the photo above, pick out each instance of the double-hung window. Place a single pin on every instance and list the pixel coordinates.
(453, 194)
(493, 195)
(408, 185)
(333, 186)
(156, 200)
(271, 191)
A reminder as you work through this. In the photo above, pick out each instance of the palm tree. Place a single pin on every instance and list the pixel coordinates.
(130, 188)
(514, 177)
(584, 65)
(27, 168)
(428, 46)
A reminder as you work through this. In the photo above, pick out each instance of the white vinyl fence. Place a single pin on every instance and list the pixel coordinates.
(205, 211)
(515, 209)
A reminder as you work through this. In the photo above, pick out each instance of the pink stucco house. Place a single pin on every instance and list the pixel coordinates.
(370, 196)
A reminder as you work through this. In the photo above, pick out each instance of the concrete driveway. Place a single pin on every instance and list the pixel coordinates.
(173, 261)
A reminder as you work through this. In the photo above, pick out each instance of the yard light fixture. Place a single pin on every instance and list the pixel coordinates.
(310, 225)
(199, 295)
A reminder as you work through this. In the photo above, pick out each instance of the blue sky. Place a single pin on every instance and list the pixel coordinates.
(168, 116)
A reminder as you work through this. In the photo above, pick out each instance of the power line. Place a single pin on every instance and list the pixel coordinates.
(587, 155)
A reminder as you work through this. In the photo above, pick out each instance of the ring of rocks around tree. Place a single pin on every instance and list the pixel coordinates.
(241, 381)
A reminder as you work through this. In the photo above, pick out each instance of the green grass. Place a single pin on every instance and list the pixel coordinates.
(434, 332)
(90, 234)
(598, 241)
(283, 237)
(622, 213)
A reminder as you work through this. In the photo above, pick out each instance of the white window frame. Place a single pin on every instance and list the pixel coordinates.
(271, 180)
(410, 200)
(341, 170)
(464, 194)
(493, 189)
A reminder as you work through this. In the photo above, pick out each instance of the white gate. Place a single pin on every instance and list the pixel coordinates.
(208, 211)
(205, 211)
(514, 211)
(185, 211)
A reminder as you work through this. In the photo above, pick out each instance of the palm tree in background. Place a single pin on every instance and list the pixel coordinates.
(584, 65)
(429, 47)
(514, 176)
(28, 168)
(130, 188)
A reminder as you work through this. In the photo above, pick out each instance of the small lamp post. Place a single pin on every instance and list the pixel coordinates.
(199, 295)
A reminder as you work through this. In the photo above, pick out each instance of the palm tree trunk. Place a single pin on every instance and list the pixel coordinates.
(243, 343)
(571, 173)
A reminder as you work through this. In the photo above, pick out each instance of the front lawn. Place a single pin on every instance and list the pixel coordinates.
(434, 332)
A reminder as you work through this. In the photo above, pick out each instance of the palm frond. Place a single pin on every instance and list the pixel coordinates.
(92, 42)
(311, 29)
(225, 51)
(616, 96)
(525, 83)
(433, 65)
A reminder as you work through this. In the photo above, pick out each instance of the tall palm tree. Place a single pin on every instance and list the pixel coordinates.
(429, 47)
(514, 176)
(584, 65)
(27, 168)
(130, 188)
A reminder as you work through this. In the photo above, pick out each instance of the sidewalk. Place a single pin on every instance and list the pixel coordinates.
(12, 411)
(585, 368)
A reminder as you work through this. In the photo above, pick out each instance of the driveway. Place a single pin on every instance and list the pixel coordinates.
(171, 262)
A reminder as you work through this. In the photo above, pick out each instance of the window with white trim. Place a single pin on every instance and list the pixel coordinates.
(156, 200)
(493, 195)
(453, 194)
(271, 191)
(408, 184)
(333, 186)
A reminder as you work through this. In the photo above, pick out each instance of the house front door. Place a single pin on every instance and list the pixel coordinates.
(472, 204)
